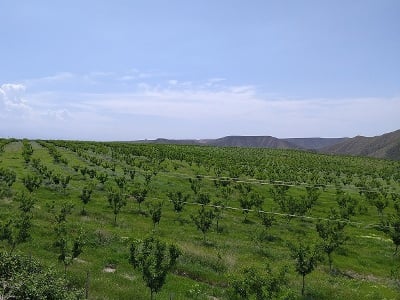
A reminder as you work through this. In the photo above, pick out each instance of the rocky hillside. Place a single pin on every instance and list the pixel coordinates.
(253, 141)
(383, 146)
(314, 143)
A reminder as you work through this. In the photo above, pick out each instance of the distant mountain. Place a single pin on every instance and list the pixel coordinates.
(314, 143)
(231, 141)
(383, 146)
(175, 142)
(253, 141)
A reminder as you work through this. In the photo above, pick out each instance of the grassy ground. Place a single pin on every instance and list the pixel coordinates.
(362, 266)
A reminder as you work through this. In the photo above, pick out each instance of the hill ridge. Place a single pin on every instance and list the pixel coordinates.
(383, 146)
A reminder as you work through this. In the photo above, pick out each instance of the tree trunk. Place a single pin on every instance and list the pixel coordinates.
(302, 289)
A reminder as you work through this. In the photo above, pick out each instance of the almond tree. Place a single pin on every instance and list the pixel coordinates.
(69, 245)
(155, 210)
(347, 204)
(117, 200)
(7, 179)
(102, 177)
(261, 284)
(203, 220)
(154, 258)
(391, 226)
(332, 235)
(17, 229)
(32, 182)
(306, 258)
(178, 200)
(139, 193)
(85, 196)
(27, 151)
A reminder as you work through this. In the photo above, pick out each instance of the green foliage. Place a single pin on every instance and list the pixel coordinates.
(32, 182)
(219, 207)
(195, 184)
(116, 199)
(332, 234)
(267, 220)
(294, 206)
(391, 226)
(249, 199)
(121, 182)
(278, 192)
(147, 178)
(102, 177)
(27, 151)
(245, 203)
(154, 258)
(376, 196)
(311, 197)
(139, 193)
(131, 173)
(203, 220)
(69, 245)
(17, 230)
(306, 259)
(7, 178)
(263, 284)
(155, 210)
(347, 204)
(178, 200)
(64, 181)
(203, 198)
(85, 196)
(25, 278)
(258, 172)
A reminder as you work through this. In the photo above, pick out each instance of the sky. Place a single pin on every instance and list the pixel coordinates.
(129, 70)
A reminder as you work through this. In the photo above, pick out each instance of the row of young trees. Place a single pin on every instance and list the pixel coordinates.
(273, 165)
(330, 230)
(248, 199)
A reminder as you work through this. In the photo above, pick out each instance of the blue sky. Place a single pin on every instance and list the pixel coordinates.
(124, 70)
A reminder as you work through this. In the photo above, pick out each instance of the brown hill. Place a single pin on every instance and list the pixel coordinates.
(383, 146)
(253, 141)
(314, 143)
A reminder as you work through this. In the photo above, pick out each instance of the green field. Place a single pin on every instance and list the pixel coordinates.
(365, 266)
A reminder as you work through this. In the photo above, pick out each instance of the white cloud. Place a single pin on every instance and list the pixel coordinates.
(11, 98)
(183, 109)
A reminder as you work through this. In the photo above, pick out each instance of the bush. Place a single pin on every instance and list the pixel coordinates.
(24, 278)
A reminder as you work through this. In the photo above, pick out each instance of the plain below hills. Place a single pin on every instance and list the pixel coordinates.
(383, 146)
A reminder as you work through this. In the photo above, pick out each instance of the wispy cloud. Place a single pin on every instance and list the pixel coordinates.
(11, 99)
(182, 109)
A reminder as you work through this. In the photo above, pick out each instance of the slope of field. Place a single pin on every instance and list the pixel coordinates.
(384, 146)
(238, 187)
